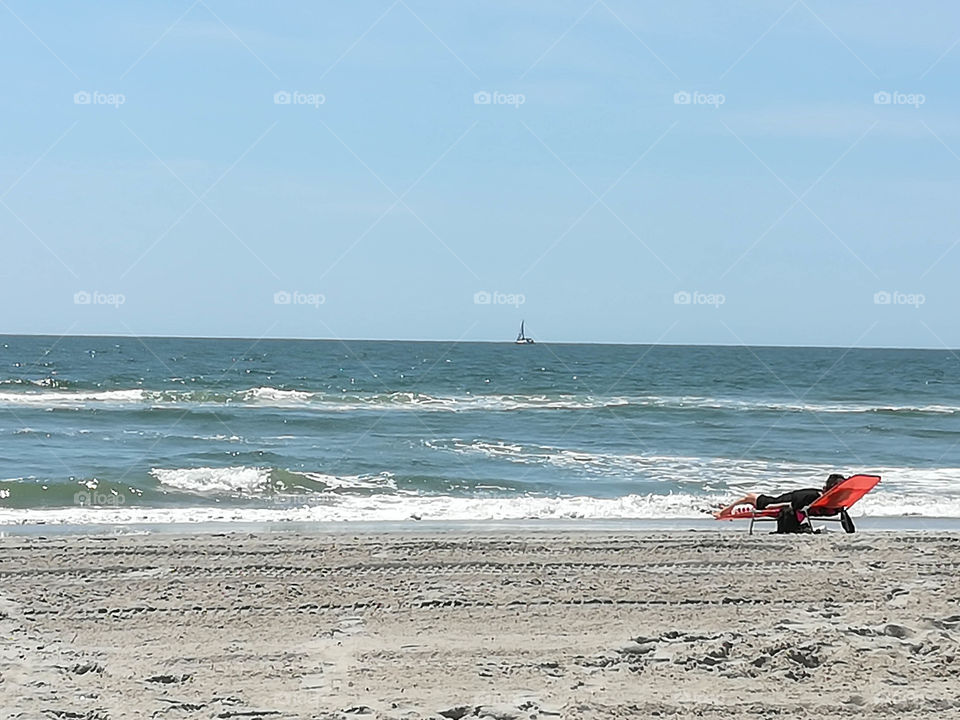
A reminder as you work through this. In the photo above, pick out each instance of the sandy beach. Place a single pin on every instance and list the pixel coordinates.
(461, 625)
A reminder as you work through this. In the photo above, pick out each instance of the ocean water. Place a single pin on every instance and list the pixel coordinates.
(181, 430)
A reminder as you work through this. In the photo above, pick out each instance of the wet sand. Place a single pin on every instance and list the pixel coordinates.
(518, 624)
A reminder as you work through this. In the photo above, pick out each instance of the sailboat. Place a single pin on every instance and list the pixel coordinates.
(523, 339)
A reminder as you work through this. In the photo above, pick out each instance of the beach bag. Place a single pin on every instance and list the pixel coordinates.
(791, 521)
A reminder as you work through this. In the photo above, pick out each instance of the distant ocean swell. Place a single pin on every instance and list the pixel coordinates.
(268, 397)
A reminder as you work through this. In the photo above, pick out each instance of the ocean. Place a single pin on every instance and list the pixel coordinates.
(170, 430)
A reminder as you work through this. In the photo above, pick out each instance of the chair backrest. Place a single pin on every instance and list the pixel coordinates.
(843, 495)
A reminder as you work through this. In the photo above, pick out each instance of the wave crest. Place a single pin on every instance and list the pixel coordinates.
(266, 396)
(262, 482)
(350, 508)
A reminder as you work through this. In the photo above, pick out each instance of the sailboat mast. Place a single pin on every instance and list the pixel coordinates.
(522, 338)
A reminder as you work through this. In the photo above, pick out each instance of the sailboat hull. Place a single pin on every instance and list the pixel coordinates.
(523, 339)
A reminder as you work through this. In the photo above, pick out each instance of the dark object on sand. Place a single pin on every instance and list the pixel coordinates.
(793, 514)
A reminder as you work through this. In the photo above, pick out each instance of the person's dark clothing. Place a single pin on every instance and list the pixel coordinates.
(798, 499)
(790, 519)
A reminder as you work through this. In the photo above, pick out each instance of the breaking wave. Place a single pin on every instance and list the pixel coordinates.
(403, 400)
(261, 481)
(393, 508)
(705, 473)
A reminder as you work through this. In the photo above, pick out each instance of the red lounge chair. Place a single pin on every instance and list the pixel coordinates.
(832, 505)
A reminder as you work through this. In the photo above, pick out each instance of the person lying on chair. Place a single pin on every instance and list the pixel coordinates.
(792, 518)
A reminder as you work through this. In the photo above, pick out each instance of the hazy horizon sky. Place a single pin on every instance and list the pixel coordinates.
(769, 173)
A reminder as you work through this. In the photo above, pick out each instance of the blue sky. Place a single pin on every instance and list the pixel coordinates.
(786, 203)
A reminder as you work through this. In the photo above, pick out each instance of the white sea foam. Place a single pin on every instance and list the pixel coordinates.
(275, 397)
(703, 472)
(469, 402)
(708, 474)
(41, 382)
(892, 504)
(391, 508)
(256, 481)
(242, 480)
(381, 481)
(708, 403)
(405, 400)
(72, 398)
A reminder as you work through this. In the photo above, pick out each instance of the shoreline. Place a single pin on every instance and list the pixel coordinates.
(865, 525)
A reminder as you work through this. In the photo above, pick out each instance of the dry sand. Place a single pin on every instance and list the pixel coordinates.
(516, 625)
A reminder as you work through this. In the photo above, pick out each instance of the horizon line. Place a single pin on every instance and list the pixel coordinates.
(474, 342)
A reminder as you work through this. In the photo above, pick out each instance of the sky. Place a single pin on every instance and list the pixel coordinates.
(780, 172)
